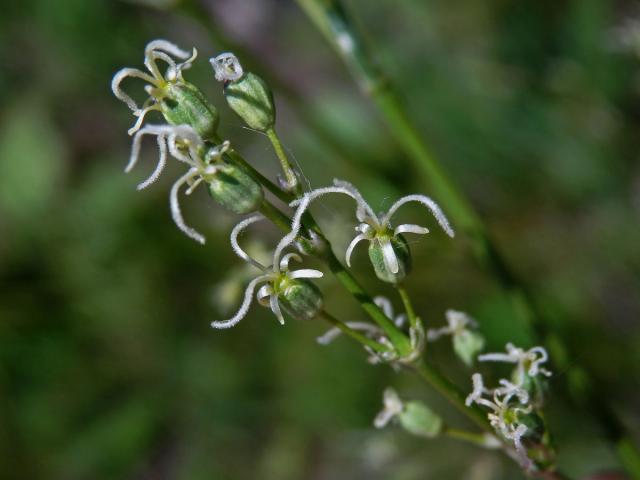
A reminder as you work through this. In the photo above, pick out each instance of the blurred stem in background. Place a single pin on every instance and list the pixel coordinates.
(330, 17)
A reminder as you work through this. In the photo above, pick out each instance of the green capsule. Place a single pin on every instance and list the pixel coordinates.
(403, 254)
(184, 103)
(301, 299)
(234, 189)
(251, 98)
(418, 419)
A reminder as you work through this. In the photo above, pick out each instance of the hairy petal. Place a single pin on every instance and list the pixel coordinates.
(244, 308)
(175, 207)
(239, 228)
(427, 202)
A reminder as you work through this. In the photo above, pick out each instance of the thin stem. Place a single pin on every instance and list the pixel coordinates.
(287, 168)
(478, 439)
(399, 339)
(359, 337)
(408, 306)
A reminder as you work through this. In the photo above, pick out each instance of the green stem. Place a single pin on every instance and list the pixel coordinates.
(331, 19)
(287, 168)
(359, 337)
(399, 339)
(408, 306)
(478, 439)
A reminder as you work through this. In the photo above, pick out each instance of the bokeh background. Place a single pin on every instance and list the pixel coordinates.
(108, 366)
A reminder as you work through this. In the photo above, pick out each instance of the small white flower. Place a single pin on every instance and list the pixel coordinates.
(377, 228)
(155, 50)
(506, 405)
(185, 145)
(528, 361)
(226, 67)
(275, 278)
(457, 322)
(393, 407)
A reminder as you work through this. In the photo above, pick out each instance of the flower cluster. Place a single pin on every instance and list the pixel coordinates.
(513, 405)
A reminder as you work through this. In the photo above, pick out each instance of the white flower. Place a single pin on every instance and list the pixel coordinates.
(276, 279)
(528, 361)
(377, 228)
(506, 404)
(155, 50)
(393, 407)
(458, 322)
(185, 145)
(226, 67)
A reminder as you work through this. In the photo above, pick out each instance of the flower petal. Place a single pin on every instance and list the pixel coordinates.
(305, 273)
(358, 238)
(427, 202)
(175, 207)
(244, 308)
(389, 255)
(410, 228)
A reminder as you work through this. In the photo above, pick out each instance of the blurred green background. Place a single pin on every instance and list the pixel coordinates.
(108, 366)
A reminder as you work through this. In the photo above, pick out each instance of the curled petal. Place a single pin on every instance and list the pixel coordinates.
(358, 238)
(126, 73)
(305, 273)
(388, 255)
(275, 308)
(385, 304)
(244, 308)
(497, 357)
(166, 46)
(392, 407)
(175, 207)
(331, 334)
(162, 161)
(264, 294)
(239, 228)
(141, 115)
(409, 228)
(364, 211)
(284, 263)
(427, 202)
(434, 334)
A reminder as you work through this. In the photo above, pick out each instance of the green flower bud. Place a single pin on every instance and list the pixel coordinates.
(246, 93)
(251, 99)
(418, 419)
(234, 189)
(300, 298)
(467, 344)
(403, 256)
(184, 103)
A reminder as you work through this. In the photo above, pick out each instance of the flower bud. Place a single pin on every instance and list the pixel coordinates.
(184, 103)
(251, 99)
(301, 299)
(402, 253)
(418, 419)
(234, 189)
(467, 344)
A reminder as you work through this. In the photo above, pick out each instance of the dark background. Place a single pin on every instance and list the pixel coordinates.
(108, 366)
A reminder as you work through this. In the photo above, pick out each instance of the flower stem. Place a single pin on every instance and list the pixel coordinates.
(287, 168)
(478, 439)
(359, 337)
(408, 306)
